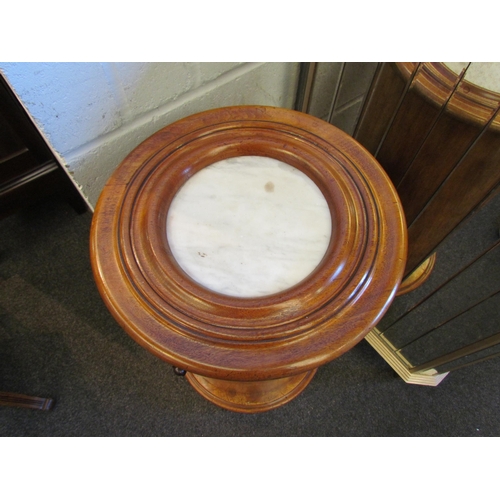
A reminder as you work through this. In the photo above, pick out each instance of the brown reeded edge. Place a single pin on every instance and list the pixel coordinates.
(417, 277)
(248, 355)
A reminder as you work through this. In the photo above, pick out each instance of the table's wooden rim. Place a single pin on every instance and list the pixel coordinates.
(256, 344)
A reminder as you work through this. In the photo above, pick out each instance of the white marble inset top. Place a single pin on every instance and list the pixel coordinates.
(249, 226)
(482, 74)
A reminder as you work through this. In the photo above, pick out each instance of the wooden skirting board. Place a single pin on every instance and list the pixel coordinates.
(400, 365)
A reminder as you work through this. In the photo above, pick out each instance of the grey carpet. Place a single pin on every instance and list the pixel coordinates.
(58, 340)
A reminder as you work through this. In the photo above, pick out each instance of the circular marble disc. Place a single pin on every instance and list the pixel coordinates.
(482, 74)
(249, 226)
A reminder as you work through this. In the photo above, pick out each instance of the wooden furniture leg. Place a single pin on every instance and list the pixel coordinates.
(23, 401)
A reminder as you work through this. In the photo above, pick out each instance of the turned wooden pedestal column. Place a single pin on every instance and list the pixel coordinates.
(248, 353)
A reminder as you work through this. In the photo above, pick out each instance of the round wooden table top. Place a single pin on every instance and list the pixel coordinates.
(248, 338)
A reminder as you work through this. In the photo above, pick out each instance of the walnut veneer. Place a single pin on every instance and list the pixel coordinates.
(438, 139)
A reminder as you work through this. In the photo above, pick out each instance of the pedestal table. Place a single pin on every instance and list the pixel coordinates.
(248, 246)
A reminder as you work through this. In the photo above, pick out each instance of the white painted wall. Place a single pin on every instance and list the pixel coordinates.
(94, 114)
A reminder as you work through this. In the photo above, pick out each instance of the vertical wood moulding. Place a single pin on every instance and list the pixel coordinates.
(464, 190)
(435, 149)
(305, 86)
(384, 95)
(398, 149)
(445, 146)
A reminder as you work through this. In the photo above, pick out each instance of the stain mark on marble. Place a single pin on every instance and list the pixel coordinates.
(202, 254)
(269, 187)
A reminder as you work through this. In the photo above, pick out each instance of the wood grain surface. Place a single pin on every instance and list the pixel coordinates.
(441, 148)
(244, 339)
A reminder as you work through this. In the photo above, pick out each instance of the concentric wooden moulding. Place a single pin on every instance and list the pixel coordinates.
(471, 103)
(239, 341)
(418, 277)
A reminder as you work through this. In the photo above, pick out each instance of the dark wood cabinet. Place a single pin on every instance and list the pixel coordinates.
(29, 173)
(29, 170)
